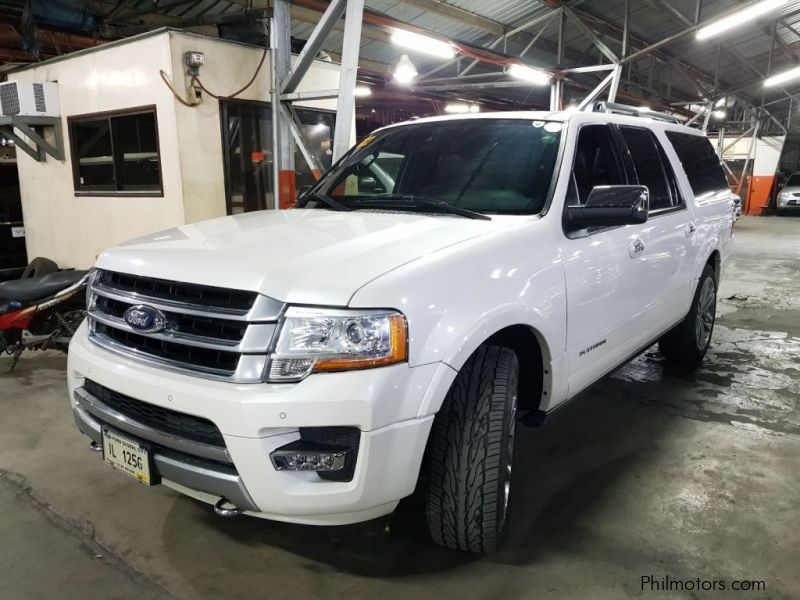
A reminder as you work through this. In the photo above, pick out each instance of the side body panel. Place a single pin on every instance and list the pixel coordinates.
(456, 298)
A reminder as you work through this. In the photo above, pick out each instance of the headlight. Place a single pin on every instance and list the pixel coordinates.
(785, 195)
(318, 340)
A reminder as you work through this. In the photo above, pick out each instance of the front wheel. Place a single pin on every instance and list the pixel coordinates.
(471, 453)
(688, 342)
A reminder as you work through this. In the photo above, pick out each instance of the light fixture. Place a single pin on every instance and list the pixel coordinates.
(361, 91)
(527, 73)
(782, 77)
(742, 17)
(461, 108)
(405, 72)
(720, 102)
(719, 114)
(422, 43)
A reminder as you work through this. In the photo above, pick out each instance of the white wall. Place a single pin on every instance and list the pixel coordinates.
(228, 66)
(72, 229)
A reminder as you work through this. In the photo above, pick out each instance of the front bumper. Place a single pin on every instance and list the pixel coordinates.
(256, 419)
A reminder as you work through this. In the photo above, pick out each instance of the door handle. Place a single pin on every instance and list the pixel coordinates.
(635, 248)
(689, 229)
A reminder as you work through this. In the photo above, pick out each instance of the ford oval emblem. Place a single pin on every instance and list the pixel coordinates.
(145, 319)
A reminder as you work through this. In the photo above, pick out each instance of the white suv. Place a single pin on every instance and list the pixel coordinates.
(446, 277)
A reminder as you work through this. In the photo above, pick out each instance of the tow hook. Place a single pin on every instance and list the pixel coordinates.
(95, 447)
(230, 511)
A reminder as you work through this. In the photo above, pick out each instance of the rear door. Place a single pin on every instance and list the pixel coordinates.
(669, 236)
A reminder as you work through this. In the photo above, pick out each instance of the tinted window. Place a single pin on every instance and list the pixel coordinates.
(652, 167)
(794, 181)
(595, 163)
(488, 165)
(701, 163)
(116, 153)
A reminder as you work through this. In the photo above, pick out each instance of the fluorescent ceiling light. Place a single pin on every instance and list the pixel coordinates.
(461, 108)
(360, 91)
(405, 72)
(719, 114)
(720, 102)
(742, 17)
(529, 74)
(782, 77)
(423, 43)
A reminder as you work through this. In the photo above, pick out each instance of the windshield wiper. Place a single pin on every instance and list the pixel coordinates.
(324, 199)
(410, 201)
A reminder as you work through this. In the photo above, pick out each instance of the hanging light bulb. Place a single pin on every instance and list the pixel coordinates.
(405, 72)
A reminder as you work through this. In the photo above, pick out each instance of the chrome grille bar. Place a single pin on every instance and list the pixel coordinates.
(210, 341)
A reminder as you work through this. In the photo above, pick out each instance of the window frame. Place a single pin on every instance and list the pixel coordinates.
(666, 166)
(622, 158)
(78, 188)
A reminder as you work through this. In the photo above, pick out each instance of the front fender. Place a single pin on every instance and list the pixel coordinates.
(457, 298)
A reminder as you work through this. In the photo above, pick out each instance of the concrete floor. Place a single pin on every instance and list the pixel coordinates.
(655, 472)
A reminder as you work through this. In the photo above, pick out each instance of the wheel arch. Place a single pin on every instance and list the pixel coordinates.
(538, 382)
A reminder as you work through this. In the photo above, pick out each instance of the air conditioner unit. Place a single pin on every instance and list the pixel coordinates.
(22, 99)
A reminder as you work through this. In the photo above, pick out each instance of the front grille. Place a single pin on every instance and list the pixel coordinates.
(189, 293)
(164, 420)
(201, 357)
(205, 330)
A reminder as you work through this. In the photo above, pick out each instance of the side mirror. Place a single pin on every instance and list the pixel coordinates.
(611, 205)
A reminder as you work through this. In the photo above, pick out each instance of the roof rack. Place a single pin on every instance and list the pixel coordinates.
(626, 109)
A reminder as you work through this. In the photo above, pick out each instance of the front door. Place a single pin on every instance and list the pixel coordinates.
(606, 300)
(669, 236)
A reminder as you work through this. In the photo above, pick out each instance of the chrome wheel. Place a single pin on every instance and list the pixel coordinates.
(706, 312)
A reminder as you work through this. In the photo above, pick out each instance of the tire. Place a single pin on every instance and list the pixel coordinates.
(471, 452)
(688, 342)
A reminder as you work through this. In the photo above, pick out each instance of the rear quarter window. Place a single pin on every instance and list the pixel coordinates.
(700, 162)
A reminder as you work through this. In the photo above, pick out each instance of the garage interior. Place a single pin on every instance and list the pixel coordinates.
(653, 471)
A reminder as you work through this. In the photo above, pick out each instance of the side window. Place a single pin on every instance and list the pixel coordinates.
(595, 163)
(652, 167)
(700, 162)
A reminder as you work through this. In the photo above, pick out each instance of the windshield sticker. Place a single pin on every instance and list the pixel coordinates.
(548, 139)
(553, 127)
(366, 141)
(538, 123)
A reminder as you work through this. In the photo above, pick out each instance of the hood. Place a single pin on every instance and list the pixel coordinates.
(307, 256)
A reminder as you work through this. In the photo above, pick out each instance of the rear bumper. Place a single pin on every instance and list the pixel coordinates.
(256, 419)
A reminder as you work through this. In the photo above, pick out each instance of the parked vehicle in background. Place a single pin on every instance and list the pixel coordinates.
(12, 232)
(42, 309)
(789, 196)
(445, 278)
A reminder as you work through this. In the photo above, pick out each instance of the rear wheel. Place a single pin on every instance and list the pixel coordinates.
(472, 450)
(688, 342)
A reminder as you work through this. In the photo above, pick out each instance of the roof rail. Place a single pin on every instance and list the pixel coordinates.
(626, 109)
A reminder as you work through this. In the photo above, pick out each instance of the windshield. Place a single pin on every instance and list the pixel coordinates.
(481, 165)
(794, 181)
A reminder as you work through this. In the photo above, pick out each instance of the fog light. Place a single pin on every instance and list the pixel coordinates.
(309, 456)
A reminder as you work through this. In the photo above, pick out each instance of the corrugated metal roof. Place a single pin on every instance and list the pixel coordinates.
(740, 63)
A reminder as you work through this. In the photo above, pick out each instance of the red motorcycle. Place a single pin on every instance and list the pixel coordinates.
(41, 310)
